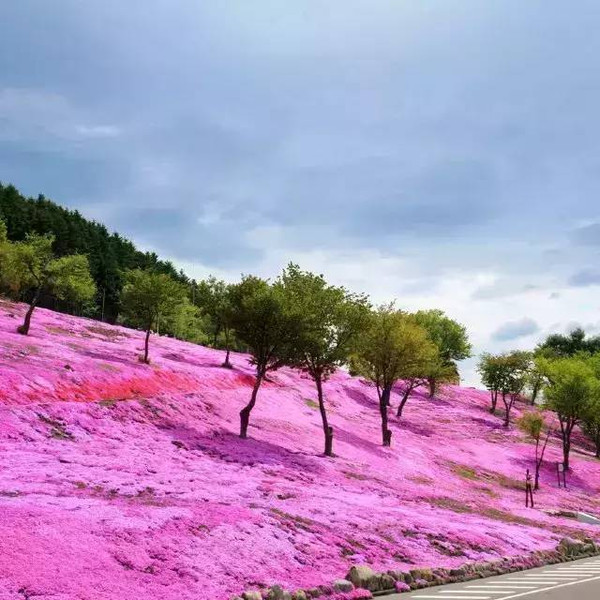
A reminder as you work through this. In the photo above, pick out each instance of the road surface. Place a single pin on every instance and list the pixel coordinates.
(574, 580)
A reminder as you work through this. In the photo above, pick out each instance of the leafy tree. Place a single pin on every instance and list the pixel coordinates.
(490, 369)
(572, 386)
(187, 323)
(559, 345)
(264, 324)
(514, 373)
(149, 297)
(214, 297)
(331, 318)
(109, 254)
(534, 425)
(393, 347)
(32, 269)
(450, 338)
(591, 423)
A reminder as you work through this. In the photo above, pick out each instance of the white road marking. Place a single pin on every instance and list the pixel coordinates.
(464, 592)
(554, 587)
(538, 581)
(456, 597)
(508, 587)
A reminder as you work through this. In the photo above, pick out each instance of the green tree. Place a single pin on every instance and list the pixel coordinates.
(331, 319)
(33, 270)
(450, 338)
(559, 345)
(215, 299)
(264, 324)
(393, 347)
(149, 297)
(490, 369)
(534, 425)
(591, 423)
(514, 372)
(572, 386)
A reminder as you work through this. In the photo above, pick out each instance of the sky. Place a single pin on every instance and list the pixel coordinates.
(441, 153)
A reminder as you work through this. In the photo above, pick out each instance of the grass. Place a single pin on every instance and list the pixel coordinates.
(311, 403)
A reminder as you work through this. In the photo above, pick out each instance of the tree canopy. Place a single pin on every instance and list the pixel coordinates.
(330, 320)
(148, 298)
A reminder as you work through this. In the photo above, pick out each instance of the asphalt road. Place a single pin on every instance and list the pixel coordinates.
(578, 580)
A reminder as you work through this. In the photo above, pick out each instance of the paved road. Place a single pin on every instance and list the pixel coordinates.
(579, 579)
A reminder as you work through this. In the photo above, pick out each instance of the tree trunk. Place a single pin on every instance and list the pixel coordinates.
(432, 387)
(507, 407)
(383, 409)
(494, 394)
(328, 431)
(403, 402)
(146, 343)
(227, 364)
(24, 329)
(566, 452)
(245, 412)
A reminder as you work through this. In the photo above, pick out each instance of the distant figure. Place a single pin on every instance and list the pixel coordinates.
(528, 490)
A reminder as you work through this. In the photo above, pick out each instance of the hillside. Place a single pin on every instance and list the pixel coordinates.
(122, 480)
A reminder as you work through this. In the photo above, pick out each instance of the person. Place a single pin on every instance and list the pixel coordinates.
(528, 490)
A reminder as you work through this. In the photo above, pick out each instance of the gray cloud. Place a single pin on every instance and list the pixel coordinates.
(588, 235)
(513, 330)
(585, 278)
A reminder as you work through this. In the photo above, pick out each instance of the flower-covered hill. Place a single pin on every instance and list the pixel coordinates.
(123, 480)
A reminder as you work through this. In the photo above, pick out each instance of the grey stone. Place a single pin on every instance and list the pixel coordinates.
(252, 595)
(343, 585)
(360, 576)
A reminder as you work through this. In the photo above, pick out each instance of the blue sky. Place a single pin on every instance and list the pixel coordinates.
(444, 153)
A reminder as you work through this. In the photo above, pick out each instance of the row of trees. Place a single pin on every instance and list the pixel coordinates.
(109, 255)
(298, 320)
(565, 372)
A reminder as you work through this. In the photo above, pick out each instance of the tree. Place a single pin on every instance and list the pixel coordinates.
(149, 297)
(572, 386)
(514, 373)
(591, 423)
(559, 345)
(331, 318)
(214, 297)
(393, 347)
(32, 269)
(534, 425)
(450, 338)
(263, 322)
(490, 369)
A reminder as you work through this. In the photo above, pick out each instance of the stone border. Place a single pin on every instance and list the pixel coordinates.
(362, 582)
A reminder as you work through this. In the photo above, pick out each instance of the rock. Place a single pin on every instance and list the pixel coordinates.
(343, 585)
(386, 582)
(252, 595)
(299, 595)
(360, 576)
(569, 547)
(276, 592)
(314, 593)
(460, 572)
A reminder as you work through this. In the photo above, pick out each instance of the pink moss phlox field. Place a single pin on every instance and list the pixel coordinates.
(123, 480)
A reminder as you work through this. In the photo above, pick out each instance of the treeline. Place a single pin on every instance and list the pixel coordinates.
(562, 374)
(298, 320)
(109, 255)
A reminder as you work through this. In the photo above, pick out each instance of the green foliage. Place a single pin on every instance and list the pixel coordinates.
(150, 297)
(532, 423)
(558, 345)
(30, 269)
(109, 254)
(215, 299)
(572, 388)
(265, 325)
(449, 336)
(393, 347)
(330, 318)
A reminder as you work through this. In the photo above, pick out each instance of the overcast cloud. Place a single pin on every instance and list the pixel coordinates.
(442, 152)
